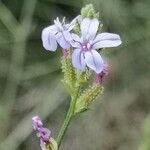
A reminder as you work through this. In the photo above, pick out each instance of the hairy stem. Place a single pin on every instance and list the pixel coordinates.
(68, 118)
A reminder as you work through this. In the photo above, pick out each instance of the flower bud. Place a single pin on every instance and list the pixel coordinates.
(69, 73)
(37, 123)
(44, 134)
(89, 11)
(87, 97)
(100, 77)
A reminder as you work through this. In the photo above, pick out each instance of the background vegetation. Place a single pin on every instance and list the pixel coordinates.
(30, 77)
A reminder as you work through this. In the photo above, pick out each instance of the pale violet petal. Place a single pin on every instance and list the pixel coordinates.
(75, 37)
(76, 41)
(67, 35)
(94, 61)
(75, 44)
(89, 28)
(85, 24)
(80, 18)
(104, 40)
(48, 40)
(62, 41)
(71, 25)
(93, 28)
(51, 29)
(78, 59)
(58, 24)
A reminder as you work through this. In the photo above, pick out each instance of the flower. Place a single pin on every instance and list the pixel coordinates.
(43, 133)
(37, 123)
(100, 76)
(57, 33)
(85, 53)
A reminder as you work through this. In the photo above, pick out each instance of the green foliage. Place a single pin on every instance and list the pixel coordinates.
(87, 97)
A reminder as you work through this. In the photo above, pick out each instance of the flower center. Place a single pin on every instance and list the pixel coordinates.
(86, 46)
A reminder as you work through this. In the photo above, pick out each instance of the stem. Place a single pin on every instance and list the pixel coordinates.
(68, 118)
(66, 123)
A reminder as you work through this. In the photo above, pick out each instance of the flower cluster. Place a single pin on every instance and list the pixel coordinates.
(43, 133)
(84, 45)
(81, 43)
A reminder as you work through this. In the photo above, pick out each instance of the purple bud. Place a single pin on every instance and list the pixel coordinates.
(44, 134)
(100, 76)
(37, 123)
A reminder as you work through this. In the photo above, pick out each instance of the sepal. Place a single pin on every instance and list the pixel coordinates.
(52, 145)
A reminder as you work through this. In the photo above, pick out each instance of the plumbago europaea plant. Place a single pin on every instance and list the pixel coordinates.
(81, 60)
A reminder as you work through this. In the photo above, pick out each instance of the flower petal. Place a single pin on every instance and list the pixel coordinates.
(58, 24)
(62, 41)
(89, 28)
(71, 25)
(85, 24)
(94, 61)
(75, 37)
(93, 28)
(75, 42)
(106, 40)
(78, 59)
(67, 36)
(48, 39)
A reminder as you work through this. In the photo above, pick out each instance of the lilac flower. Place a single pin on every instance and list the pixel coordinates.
(57, 33)
(85, 53)
(37, 123)
(43, 133)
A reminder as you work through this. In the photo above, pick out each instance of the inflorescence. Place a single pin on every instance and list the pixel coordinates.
(81, 43)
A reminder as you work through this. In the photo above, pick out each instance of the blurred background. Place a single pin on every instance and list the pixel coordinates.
(30, 77)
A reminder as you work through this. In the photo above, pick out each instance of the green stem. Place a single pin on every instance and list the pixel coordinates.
(66, 123)
(68, 118)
